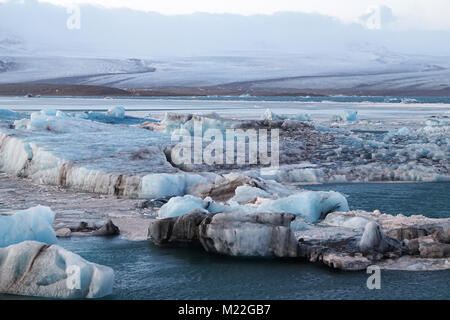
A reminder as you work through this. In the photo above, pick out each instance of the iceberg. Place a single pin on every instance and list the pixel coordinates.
(269, 115)
(311, 205)
(117, 112)
(346, 115)
(32, 224)
(82, 154)
(245, 194)
(6, 114)
(403, 131)
(178, 206)
(163, 185)
(180, 124)
(37, 269)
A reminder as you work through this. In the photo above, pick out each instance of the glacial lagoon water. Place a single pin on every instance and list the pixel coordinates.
(144, 271)
(430, 199)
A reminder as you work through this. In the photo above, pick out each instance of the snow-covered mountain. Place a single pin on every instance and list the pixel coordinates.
(129, 49)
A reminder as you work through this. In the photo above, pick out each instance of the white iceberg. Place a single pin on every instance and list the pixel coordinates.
(33, 268)
(32, 224)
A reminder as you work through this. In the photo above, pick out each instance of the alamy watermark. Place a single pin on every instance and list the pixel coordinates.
(74, 20)
(226, 147)
(73, 281)
(374, 281)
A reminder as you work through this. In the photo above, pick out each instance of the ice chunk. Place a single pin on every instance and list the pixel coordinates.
(180, 124)
(246, 194)
(118, 112)
(299, 225)
(161, 185)
(435, 122)
(32, 224)
(48, 120)
(49, 112)
(310, 205)
(302, 117)
(178, 206)
(33, 268)
(262, 235)
(346, 115)
(346, 221)
(14, 154)
(269, 115)
(403, 131)
(9, 115)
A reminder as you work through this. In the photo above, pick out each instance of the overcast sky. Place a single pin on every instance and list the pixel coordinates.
(308, 27)
(411, 14)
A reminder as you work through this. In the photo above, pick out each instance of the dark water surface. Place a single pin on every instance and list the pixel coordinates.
(430, 199)
(144, 271)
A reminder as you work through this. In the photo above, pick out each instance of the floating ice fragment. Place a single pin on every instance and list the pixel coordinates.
(346, 115)
(269, 115)
(32, 224)
(403, 131)
(9, 115)
(118, 112)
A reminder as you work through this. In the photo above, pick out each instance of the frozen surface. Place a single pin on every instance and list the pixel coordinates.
(32, 224)
(35, 269)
